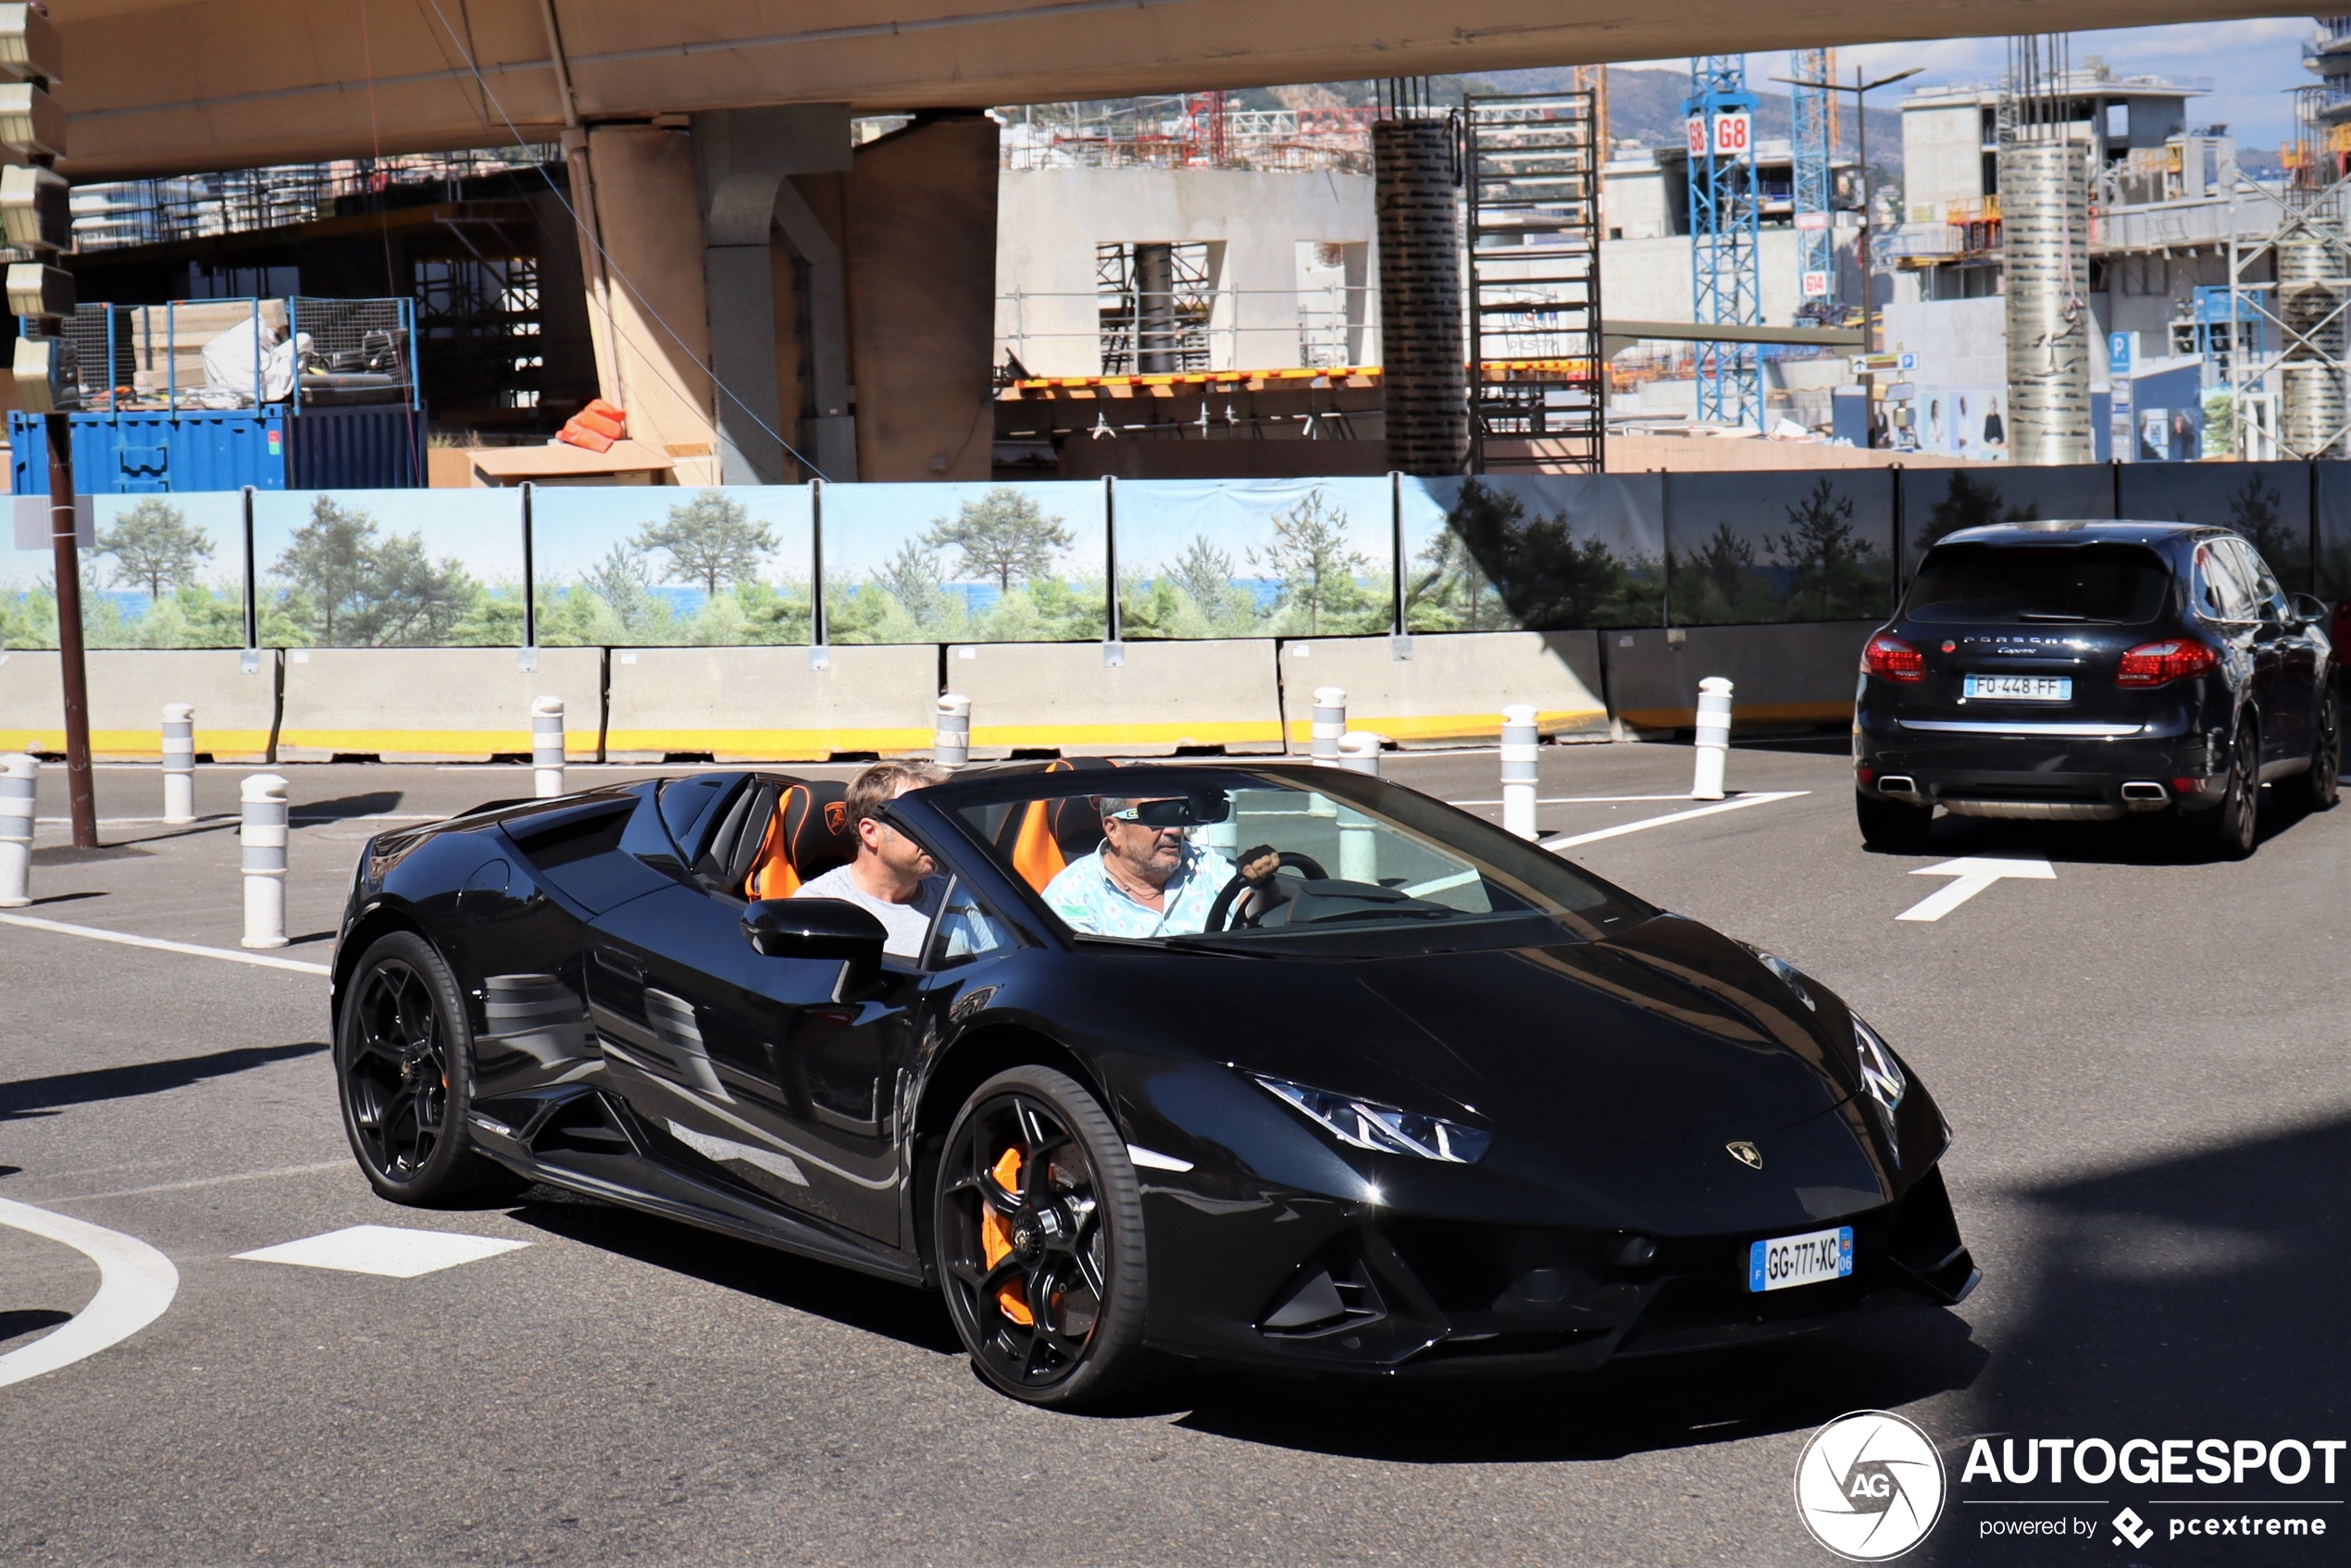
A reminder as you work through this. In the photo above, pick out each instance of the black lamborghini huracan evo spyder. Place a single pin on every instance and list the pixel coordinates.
(1451, 1105)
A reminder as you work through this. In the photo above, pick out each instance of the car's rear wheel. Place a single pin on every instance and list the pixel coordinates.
(1038, 1220)
(1890, 825)
(404, 1062)
(2322, 785)
(2232, 828)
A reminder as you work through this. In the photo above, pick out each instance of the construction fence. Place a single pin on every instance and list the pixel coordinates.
(977, 564)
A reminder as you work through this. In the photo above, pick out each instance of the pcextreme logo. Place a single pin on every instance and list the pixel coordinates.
(1870, 1486)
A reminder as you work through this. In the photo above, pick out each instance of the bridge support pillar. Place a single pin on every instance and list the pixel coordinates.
(659, 335)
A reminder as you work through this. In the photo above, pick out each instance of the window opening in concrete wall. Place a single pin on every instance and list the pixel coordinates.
(1155, 298)
(1333, 285)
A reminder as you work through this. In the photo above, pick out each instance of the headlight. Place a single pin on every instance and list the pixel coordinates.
(1881, 1074)
(1365, 1123)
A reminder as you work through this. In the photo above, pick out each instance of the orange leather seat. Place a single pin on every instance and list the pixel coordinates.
(1042, 838)
(808, 834)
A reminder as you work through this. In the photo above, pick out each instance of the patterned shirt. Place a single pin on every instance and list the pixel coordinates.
(1086, 897)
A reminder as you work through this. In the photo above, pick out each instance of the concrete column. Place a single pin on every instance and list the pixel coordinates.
(1426, 376)
(922, 299)
(653, 233)
(749, 159)
(1155, 347)
(2045, 212)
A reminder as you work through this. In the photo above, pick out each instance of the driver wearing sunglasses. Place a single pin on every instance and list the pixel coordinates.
(1147, 878)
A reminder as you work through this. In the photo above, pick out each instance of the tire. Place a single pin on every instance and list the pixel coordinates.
(2232, 830)
(2322, 785)
(1046, 1279)
(1891, 825)
(403, 1075)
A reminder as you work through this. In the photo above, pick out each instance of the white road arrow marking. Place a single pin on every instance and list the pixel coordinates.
(1975, 873)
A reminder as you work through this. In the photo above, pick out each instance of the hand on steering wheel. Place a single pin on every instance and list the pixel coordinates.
(1255, 877)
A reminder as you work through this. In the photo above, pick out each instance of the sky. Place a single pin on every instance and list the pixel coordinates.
(2253, 65)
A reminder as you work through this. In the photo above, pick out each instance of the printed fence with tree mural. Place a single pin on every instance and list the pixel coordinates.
(1030, 561)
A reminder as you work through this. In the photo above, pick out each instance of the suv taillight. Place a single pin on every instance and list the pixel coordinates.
(2175, 658)
(1893, 659)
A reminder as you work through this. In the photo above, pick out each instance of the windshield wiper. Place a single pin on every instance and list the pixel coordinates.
(1417, 911)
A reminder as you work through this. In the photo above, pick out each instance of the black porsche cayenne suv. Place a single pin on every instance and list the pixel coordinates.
(2084, 670)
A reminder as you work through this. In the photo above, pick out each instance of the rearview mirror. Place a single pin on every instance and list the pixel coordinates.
(819, 928)
(2306, 608)
(1183, 811)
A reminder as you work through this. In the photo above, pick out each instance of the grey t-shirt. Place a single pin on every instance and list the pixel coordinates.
(908, 924)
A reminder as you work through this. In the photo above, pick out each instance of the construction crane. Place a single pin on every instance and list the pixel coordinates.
(1813, 125)
(1725, 236)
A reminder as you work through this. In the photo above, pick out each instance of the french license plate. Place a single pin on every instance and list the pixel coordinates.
(1801, 1260)
(2022, 687)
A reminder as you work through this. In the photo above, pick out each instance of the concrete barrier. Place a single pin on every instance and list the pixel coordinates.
(1167, 695)
(236, 713)
(766, 704)
(1786, 676)
(1452, 686)
(430, 704)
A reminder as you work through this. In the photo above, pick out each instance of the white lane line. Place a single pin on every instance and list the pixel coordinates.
(1765, 799)
(199, 1181)
(261, 959)
(1975, 873)
(135, 1284)
(395, 1251)
(1593, 800)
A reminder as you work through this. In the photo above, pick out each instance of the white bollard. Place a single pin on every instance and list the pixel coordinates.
(1358, 751)
(952, 741)
(178, 763)
(1521, 742)
(264, 834)
(18, 775)
(1713, 738)
(1330, 723)
(547, 747)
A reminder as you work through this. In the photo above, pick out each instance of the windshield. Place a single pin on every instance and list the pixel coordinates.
(2008, 585)
(1157, 855)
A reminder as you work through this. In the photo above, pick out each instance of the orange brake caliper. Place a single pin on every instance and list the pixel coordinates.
(996, 1239)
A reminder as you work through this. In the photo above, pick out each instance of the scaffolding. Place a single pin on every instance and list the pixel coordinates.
(1812, 135)
(2285, 378)
(1725, 236)
(1538, 381)
(1153, 303)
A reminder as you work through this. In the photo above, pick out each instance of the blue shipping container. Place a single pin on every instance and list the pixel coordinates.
(370, 447)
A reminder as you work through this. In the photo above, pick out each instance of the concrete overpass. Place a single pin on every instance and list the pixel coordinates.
(752, 279)
(162, 86)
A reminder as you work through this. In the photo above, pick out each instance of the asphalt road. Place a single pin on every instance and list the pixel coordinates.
(2143, 1056)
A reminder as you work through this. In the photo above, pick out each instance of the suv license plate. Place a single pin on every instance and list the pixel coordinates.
(2022, 687)
(1801, 1260)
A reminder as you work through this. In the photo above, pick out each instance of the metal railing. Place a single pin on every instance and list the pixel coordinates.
(113, 214)
(1064, 333)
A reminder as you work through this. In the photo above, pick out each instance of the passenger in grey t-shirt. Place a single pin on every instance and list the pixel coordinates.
(907, 923)
(893, 875)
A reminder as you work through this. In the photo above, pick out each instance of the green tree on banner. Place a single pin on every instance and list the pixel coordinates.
(1005, 536)
(710, 540)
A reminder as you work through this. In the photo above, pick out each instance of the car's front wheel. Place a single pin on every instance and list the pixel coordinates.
(1038, 1221)
(404, 1064)
(1890, 825)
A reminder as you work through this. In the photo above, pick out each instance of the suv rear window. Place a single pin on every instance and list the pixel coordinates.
(2007, 584)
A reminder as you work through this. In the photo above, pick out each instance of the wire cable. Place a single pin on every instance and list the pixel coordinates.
(614, 269)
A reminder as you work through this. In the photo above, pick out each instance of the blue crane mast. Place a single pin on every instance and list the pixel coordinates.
(1813, 131)
(1725, 224)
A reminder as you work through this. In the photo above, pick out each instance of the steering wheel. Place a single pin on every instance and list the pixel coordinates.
(1219, 913)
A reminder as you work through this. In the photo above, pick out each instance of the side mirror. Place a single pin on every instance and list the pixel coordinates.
(2306, 608)
(819, 928)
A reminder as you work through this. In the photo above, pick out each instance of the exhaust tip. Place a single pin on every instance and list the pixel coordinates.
(2143, 794)
(1898, 784)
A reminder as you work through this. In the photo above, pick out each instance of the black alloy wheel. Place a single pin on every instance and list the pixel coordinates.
(1891, 825)
(2233, 827)
(1038, 1224)
(403, 1060)
(2322, 785)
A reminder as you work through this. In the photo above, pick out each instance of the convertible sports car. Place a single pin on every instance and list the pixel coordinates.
(1453, 1104)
